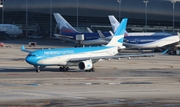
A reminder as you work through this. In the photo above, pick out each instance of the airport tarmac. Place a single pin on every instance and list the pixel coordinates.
(136, 82)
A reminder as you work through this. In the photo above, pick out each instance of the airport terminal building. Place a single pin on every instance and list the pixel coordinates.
(91, 13)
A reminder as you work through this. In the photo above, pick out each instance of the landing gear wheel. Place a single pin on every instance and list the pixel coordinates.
(67, 69)
(60, 68)
(90, 70)
(93, 69)
(37, 69)
(63, 68)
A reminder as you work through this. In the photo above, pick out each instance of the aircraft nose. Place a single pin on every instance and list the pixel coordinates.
(31, 60)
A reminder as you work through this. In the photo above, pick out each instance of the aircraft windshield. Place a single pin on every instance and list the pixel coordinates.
(31, 55)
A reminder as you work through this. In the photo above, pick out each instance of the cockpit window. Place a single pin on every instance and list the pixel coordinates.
(31, 55)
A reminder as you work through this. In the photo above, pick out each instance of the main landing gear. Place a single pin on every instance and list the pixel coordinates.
(64, 68)
(90, 70)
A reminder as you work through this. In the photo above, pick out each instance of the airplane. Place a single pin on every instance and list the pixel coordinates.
(9, 30)
(130, 42)
(115, 24)
(68, 33)
(83, 57)
(145, 42)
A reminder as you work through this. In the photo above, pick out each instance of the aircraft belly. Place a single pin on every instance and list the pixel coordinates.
(53, 61)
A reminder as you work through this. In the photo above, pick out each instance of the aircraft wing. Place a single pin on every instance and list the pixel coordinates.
(117, 56)
(64, 38)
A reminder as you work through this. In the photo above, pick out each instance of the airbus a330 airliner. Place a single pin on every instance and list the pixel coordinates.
(83, 57)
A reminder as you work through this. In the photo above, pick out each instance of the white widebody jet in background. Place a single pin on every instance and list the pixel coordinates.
(146, 42)
(115, 24)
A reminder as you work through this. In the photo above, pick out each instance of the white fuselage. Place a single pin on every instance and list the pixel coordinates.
(10, 29)
(158, 43)
(148, 34)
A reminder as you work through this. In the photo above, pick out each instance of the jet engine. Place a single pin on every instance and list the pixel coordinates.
(85, 65)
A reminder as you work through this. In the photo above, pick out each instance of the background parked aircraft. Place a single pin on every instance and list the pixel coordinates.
(114, 24)
(68, 33)
(150, 40)
(9, 30)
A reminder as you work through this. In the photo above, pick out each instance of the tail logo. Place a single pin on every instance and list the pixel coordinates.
(64, 27)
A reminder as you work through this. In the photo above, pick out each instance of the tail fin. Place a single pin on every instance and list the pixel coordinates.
(118, 37)
(63, 25)
(114, 23)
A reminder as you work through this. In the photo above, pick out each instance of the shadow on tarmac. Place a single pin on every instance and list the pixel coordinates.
(42, 70)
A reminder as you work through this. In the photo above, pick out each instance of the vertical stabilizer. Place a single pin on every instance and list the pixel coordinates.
(118, 37)
(114, 22)
(63, 25)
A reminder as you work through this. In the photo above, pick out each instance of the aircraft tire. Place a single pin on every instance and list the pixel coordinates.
(93, 69)
(37, 70)
(60, 68)
(67, 69)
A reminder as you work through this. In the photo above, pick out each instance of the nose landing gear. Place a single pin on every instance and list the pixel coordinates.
(37, 69)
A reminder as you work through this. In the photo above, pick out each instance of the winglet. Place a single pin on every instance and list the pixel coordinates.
(25, 50)
(89, 30)
(100, 34)
(164, 52)
(22, 48)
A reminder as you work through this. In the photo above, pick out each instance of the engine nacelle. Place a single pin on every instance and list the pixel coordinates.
(85, 65)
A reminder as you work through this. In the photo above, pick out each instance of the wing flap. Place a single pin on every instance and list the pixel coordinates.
(62, 36)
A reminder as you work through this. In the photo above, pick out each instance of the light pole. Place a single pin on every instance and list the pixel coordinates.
(119, 1)
(146, 2)
(77, 11)
(26, 17)
(173, 2)
(50, 19)
(2, 3)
